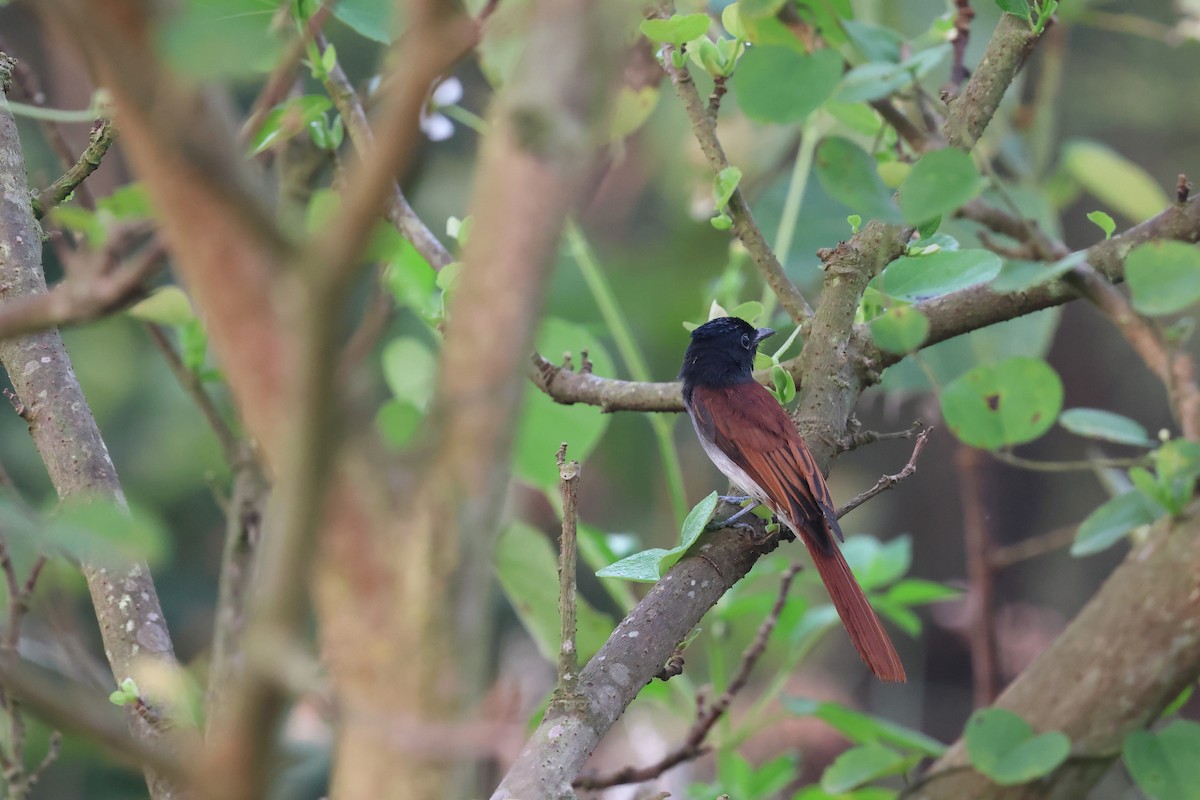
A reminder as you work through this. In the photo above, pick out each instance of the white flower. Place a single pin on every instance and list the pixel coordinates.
(438, 127)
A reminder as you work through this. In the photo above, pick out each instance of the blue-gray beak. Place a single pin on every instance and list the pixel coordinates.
(763, 333)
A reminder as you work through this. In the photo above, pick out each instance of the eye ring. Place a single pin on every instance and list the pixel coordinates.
(746, 341)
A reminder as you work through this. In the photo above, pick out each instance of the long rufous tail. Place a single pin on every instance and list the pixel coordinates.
(866, 632)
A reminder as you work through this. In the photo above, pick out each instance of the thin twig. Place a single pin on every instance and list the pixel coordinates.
(889, 481)
(858, 439)
(568, 657)
(194, 387)
(27, 81)
(704, 128)
(979, 571)
(103, 134)
(962, 35)
(278, 82)
(1010, 555)
(400, 213)
(81, 298)
(1064, 466)
(693, 744)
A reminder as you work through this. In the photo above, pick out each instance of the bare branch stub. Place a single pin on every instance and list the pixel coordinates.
(568, 657)
(707, 716)
(962, 35)
(888, 481)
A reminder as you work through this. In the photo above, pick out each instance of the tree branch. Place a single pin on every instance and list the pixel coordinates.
(103, 134)
(65, 434)
(972, 110)
(704, 127)
(1125, 656)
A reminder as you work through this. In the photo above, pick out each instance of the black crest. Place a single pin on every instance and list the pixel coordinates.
(721, 354)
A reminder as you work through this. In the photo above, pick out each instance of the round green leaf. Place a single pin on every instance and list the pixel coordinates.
(916, 278)
(1163, 277)
(677, 30)
(1105, 425)
(545, 424)
(860, 765)
(397, 421)
(167, 305)
(938, 184)
(409, 369)
(1164, 764)
(1109, 523)
(998, 405)
(848, 174)
(900, 330)
(1003, 747)
(777, 84)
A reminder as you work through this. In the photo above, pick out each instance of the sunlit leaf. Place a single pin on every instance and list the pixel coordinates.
(777, 84)
(1163, 276)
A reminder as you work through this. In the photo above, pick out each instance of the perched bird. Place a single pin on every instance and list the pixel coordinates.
(750, 438)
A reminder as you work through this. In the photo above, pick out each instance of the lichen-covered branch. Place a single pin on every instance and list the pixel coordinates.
(972, 110)
(103, 134)
(69, 442)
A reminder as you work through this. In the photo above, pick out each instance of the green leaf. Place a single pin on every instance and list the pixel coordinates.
(777, 84)
(166, 305)
(878, 79)
(784, 383)
(731, 20)
(901, 329)
(1163, 277)
(750, 311)
(1018, 8)
(631, 108)
(888, 563)
(725, 183)
(1109, 523)
(374, 19)
(545, 424)
(650, 565)
(1179, 702)
(916, 278)
(755, 9)
(1004, 747)
(874, 42)
(527, 567)
(288, 119)
(1164, 764)
(849, 175)
(861, 765)
(397, 421)
(918, 592)
(642, 566)
(679, 29)
(409, 369)
(105, 533)
(940, 183)
(999, 405)
(696, 520)
(1021, 276)
(214, 39)
(1105, 425)
(863, 728)
(407, 275)
(1104, 222)
(1114, 180)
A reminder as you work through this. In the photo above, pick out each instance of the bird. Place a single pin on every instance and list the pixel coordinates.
(750, 438)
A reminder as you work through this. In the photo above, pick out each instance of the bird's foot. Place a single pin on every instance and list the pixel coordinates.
(732, 522)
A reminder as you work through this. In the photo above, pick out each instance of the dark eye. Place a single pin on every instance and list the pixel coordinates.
(746, 341)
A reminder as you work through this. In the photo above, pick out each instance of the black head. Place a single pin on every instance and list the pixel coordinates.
(721, 354)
